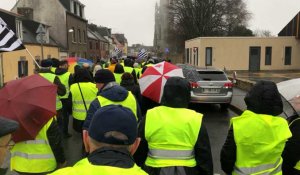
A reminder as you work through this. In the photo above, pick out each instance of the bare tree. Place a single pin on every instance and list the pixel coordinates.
(196, 18)
(263, 33)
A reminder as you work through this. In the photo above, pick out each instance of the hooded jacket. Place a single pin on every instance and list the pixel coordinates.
(263, 98)
(177, 95)
(113, 92)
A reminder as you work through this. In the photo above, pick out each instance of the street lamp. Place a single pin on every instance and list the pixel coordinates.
(70, 32)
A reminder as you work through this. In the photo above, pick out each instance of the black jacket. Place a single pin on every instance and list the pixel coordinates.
(116, 157)
(291, 153)
(55, 141)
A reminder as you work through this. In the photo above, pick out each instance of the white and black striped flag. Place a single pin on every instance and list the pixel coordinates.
(117, 50)
(142, 54)
(8, 40)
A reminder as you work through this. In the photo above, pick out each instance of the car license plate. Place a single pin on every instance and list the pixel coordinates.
(211, 90)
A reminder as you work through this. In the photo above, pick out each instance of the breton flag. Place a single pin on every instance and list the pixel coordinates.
(117, 50)
(8, 40)
(142, 54)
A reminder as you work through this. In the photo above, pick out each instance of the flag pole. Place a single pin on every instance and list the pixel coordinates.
(2, 70)
(33, 58)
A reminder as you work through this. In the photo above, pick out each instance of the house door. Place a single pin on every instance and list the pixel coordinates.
(254, 59)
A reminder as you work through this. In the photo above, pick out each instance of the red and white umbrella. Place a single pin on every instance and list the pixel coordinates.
(154, 79)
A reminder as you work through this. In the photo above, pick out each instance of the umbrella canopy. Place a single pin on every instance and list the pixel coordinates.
(29, 101)
(290, 90)
(154, 79)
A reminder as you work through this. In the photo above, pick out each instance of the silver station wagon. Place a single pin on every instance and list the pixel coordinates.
(208, 85)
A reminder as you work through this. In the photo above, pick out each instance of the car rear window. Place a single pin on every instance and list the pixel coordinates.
(211, 76)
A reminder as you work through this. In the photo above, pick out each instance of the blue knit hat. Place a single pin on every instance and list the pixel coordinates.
(110, 119)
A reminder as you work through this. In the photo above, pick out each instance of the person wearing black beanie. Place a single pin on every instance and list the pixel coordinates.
(110, 93)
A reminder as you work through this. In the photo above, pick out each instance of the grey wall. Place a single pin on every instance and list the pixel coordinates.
(49, 12)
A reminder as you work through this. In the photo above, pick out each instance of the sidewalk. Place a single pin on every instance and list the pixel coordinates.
(245, 80)
(237, 103)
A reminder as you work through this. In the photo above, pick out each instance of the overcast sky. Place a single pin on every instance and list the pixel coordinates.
(135, 18)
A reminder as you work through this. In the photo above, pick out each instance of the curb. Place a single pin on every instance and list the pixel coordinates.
(235, 109)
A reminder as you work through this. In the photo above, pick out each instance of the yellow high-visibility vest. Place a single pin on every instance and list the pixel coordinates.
(84, 167)
(89, 92)
(34, 156)
(171, 134)
(118, 77)
(260, 140)
(64, 78)
(50, 77)
(129, 102)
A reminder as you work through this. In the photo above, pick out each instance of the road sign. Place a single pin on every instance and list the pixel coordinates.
(40, 38)
(41, 29)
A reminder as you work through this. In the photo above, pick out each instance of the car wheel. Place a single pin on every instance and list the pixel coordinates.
(224, 106)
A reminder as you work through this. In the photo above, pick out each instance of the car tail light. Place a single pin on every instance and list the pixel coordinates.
(194, 85)
(228, 85)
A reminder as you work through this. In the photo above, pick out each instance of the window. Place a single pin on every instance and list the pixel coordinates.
(84, 36)
(288, 56)
(97, 45)
(22, 67)
(268, 56)
(73, 35)
(19, 30)
(190, 58)
(208, 56)
(74, 7)
(91, 45)
(79, 36)
(80, 11)
(187, 55)
(195, 56)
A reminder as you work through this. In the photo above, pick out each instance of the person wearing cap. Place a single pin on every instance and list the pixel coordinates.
(7, 127)
(46, 72)
(174, 138)
(256, 139)
(110, 93)
(67, 80)
(111, 141)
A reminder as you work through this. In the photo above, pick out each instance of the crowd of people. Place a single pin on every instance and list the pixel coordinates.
(124, 132)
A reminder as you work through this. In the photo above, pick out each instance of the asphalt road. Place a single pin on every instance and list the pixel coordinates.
(215, 120)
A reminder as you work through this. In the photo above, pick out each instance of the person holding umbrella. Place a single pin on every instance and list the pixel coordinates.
(174, 138)
(7, 127)
(257, 138)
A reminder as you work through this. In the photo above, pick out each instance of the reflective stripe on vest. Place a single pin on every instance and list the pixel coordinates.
(34, 156)
(118, 77)
(51, 77)
(84, 167)
(64, 78)
(276, 167)
(171, 154)
(89, 92)
(260, 140)
(171, 141)
(129, 102)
